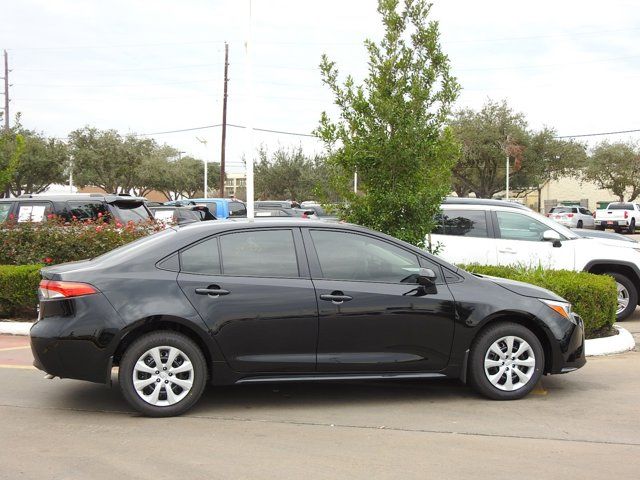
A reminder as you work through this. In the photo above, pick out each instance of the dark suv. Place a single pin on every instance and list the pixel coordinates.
(37, 208)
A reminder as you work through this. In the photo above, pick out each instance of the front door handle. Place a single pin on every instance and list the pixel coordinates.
(212, 291)
(335, 297)
(507, 250)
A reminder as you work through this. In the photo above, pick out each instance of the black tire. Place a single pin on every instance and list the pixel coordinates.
(580, 224)
(600, 227)
(632, 227)
(477, 376)
(633, 295)
(164, 338)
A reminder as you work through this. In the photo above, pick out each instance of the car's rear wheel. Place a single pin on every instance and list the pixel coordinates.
(580, 224)
(162, 374)
(627, 296)
(506, 361)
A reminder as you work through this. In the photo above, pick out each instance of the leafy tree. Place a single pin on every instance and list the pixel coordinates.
(615, 167)
(105, 159)
(11, 150)
(42, 164)
(288, 174)
(391, 128)
(495, 132)
(184, 178)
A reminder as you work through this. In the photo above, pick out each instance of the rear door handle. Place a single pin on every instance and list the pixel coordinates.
(507, 250)
(212, 291)
(336, 297)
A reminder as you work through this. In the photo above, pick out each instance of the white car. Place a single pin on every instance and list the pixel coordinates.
(493, 232)
(573, 217)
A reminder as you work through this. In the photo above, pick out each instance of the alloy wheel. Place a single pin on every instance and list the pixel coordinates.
(623, 298)
(509, 363)
(163, 376)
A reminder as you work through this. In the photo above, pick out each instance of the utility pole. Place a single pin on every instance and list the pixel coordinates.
(249, 111)
(6, 90)
(224, 118)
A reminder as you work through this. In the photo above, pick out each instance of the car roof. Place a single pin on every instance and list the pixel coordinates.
(483, 202)
(73, 196)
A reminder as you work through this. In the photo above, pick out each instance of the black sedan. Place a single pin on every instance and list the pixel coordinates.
(235, 302)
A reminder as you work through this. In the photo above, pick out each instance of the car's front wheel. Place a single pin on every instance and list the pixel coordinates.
(506, 361)
(162, 374)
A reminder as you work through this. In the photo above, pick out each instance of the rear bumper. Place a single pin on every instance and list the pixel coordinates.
(73, 341)
(612, 223)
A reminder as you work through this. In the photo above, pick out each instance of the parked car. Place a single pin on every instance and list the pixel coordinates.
(90, 206)
(181, 215)
(499, 233)
(221, 208)
(619, 216)
(572, 217)
(263, 210)
(299, 300)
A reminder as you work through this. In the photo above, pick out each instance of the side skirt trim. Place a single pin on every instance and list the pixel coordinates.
(329, 377)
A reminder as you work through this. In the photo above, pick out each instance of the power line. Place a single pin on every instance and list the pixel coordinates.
(599, 134)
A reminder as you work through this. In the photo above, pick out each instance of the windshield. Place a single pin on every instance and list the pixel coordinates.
(133, 247)
(5, 208)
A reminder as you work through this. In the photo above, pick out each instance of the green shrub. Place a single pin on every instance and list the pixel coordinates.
(19, 290)
(52, 242)
(594, 297)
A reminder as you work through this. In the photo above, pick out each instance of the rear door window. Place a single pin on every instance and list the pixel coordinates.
(237, 209)
(464, 223)
(259, 253)
(86, 210)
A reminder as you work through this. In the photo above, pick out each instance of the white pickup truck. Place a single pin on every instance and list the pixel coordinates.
(619, 216)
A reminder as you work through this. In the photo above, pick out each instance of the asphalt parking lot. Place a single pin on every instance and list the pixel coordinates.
(584, 424)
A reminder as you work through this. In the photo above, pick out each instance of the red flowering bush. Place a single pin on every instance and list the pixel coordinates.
(55, 241)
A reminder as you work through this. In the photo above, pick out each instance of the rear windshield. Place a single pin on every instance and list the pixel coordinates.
(620, 206)
(130, 212)
(563, 210)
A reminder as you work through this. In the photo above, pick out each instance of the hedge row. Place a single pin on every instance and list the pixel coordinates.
(52, 242)
(594, 297)
(19, 290)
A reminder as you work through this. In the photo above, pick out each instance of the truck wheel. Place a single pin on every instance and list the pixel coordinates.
(506, 361)
(627, 296)
(632, 226)
(600, 227)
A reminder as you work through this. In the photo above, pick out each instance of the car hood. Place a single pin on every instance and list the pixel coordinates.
(524, 289)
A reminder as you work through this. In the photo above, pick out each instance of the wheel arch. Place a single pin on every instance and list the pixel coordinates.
(176, 324)
(628, 269)
(526, 320)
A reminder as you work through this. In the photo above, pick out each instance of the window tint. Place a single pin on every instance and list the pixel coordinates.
(131, 212)
(516, 226)
(237, 209)
(86, 210)
(263, 253)
(620, 206)
(5, 208)
(466, 223)
(201, 258)
(350, 256)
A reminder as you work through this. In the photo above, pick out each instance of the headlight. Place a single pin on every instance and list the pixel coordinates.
(563, 308)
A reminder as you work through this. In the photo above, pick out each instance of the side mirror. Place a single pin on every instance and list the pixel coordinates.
(552, 236)
(426, 277)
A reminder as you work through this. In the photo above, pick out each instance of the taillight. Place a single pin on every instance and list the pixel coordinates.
(60, 289)
(626, 214)
(570, 215)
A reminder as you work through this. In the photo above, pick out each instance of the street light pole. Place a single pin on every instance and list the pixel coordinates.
(507, 196)
(249, 113)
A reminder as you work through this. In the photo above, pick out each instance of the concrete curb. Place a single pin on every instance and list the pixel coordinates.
(622, 342)
(15, 328)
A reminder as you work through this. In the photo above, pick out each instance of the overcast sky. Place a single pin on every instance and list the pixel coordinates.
(153, 66)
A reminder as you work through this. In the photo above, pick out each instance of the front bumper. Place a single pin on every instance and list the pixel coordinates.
(572, 356)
